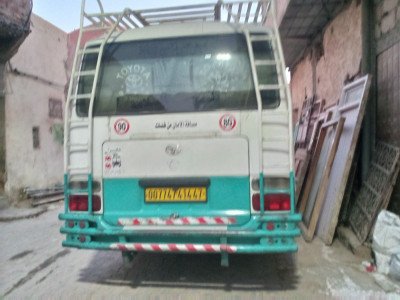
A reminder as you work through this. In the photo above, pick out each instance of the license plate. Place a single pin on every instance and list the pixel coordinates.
(183, 194)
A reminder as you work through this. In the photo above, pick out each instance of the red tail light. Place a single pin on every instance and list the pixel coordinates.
(80, 203)
(272, 202)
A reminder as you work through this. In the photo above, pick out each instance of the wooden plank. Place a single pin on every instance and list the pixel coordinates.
(344, 213)
(315, 131)
(304, 123)
(309, 182)
(316, 114)
(307, 189)
(324, 183)
(302, 161)
(352, 93)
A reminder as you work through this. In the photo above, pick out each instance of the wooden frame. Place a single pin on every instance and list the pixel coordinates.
(352, 106)
(309, 182)
(308, 232)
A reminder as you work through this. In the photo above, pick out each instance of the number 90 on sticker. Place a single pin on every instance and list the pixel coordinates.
(121, 126)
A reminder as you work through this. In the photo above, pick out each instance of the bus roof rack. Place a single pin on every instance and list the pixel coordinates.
(240, 12)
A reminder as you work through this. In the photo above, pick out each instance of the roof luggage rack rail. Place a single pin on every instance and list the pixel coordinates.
(239, 12)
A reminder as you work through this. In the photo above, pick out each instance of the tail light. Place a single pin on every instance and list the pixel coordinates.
(80, 203)
(272, 202)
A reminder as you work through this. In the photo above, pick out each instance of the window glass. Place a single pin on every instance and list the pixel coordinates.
(267, 74)
(85, 84)
(202, 73)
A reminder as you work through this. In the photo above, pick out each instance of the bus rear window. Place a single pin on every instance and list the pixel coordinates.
(190, 74)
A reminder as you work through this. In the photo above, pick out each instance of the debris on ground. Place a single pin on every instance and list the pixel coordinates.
(386, 244)
(45, 195)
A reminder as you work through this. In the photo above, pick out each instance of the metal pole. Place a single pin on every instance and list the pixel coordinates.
(368, 66)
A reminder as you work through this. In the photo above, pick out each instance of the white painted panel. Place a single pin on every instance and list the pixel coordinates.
(196, 157)
(172, 125)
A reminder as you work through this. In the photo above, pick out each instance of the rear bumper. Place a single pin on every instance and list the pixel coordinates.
(262, 234)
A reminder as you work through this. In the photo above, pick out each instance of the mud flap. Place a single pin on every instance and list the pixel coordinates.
(224, 252)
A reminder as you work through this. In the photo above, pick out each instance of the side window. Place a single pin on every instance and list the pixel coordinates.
(35, 137)
(267, 73)
(85, 84)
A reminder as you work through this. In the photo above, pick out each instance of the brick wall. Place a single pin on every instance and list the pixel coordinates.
(332, 59)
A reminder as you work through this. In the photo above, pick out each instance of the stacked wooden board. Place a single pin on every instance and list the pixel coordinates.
(336, 134)
(311, 116)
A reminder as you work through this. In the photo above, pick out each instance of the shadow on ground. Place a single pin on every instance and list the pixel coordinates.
(271, 272)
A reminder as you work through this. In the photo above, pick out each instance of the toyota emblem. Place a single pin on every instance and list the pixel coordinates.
(173, 149)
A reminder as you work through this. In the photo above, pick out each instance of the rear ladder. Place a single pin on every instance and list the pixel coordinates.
(107, 25)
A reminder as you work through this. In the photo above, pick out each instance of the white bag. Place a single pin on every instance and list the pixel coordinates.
(386, 242)
(394, 268)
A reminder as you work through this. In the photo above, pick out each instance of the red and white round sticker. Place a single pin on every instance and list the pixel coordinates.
(121, 126)
(227, 122)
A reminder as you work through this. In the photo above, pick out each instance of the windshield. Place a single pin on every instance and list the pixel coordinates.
(189, 74)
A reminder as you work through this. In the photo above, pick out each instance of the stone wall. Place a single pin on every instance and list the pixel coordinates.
(34, 108)
(333, 59)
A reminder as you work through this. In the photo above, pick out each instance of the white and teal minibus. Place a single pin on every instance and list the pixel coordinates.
(178, 133)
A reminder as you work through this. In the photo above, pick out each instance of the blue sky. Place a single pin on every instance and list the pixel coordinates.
(65, 14)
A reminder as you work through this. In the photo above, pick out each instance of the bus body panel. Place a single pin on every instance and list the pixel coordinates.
(141, 155)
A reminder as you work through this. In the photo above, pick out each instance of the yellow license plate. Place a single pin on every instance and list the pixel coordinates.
(182, 194)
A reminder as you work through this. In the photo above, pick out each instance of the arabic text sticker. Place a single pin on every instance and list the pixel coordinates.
(227, 122)
(121, 126)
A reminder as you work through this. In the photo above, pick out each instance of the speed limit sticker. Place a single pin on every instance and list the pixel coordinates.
(227, 122)
(121, 126)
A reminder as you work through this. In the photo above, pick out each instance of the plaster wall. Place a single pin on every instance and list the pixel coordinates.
(37, 74)
(337, 59)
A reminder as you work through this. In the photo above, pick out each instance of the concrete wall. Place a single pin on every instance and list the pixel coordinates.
(15, 11)
(332, 59)
(38, 74)
(14, 26)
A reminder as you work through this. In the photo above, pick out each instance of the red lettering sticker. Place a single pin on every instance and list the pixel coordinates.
(227, 122)
(121, 126)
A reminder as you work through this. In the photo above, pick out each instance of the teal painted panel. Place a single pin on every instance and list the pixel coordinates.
(226, 197)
